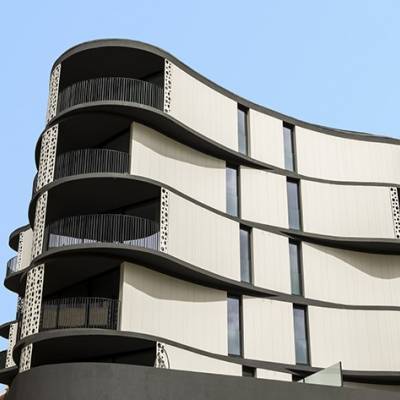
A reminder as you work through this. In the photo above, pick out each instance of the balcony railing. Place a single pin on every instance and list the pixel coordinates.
(111, 88)
(79, 312)
(12, 264)
(103, 228)
(3, 357)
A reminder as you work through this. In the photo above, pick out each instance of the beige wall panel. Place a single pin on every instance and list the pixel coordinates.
(274, 375)
(26, 248)
(203, 109)
(174, 309)
(263, 197)
(188, 361)
(266, 138)
(331, 157)
(351, 277)
(361, 339)
(271, 262)
(344, 210)
(158, 157)
(203, 238)
(268, 330)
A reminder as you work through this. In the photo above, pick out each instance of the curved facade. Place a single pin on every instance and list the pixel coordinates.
(176, 225)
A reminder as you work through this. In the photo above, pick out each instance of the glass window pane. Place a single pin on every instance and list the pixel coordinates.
(231, 191)
(293, 204)
(245, 260)
(234, 326)
(300, 335)
(288, 145)
(242, 130)
(295, 267)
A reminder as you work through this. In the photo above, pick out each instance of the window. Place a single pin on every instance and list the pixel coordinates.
(288, 146)
(293, 204)
(234, 325)
(300, 334)
(295, 267)
(232, 200)
(248, 371)
(245, 254)
(242, 129)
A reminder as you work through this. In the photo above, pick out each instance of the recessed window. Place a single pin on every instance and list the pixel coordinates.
(293, 204)
(288, 146)
(232, 197)
(245, 254)
(242, 129)
(248, 371)
(234, 325)
(300, 334)
(295, 267)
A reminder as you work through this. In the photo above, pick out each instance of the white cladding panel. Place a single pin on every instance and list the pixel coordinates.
(263, 197)
(346, 210)
(361, 339)
(271, 264)
(331, 157)
(203, 109)
(351, 277)
(157, 304)
(189, 361)
(266, 138)
(155, 156)
(26, 255)
(274, 375)
(268, 330)
(203, 238)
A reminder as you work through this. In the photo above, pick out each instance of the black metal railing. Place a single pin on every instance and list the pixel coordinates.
(86, 161)
(103, 228)
(3, 357)
(79, 312)
(111, 88)
(12, 264)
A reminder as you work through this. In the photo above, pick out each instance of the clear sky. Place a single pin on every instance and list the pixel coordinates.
(334, 63)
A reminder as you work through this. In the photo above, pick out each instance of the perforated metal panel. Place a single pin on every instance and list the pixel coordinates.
(38, 230)
(25, 360)
(12, 338)
(394, 197)
(167, 85)
(162, 359)
(164, 211)
(48, 150)
(53, 93)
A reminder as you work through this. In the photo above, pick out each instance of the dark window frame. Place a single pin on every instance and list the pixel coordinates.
(299, 203)
(249, 230)
(249, 372)
(240, 302)
(299, 245)
(245, 111)
(307, 332)
(238, 200)
(292, 129)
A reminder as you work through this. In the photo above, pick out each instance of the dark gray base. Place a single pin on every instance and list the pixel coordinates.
(77, 381)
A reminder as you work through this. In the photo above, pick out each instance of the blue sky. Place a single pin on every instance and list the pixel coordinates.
(334, 63)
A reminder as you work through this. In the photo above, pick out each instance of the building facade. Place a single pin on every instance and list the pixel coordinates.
(184, 242)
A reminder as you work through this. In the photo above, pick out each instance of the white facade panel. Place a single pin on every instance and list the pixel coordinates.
(203, 109)
(335, 158)
(155, 156)
(263, 197)
(274, 375)
(351, 277)
(268, 330)
(346, 210)
(361, 339)
(266, 138)
(159, 305)
(203, 238)
(271, 264)
(26, 254)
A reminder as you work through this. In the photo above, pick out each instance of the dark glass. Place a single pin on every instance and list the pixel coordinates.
(242, 129)
(248, 371)
(288, 145)
(295, 267)
(245, 255)
(293, 204)
(234, 340)
(232, 204)
(300, 334)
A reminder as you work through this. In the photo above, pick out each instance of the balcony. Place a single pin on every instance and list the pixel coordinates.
(12, 265)
(3, 356)
(79, 312)
(88, 161)
(111, 89)
(103, 228)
